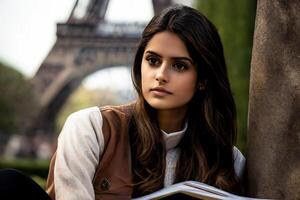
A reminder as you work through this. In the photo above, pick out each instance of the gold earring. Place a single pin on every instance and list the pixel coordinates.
(201, 86)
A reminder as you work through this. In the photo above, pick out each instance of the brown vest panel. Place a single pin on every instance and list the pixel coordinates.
(113, 177)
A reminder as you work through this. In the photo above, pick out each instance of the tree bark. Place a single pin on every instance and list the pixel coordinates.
(273, 158)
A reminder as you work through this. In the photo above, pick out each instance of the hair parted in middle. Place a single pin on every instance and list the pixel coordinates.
(206, 148)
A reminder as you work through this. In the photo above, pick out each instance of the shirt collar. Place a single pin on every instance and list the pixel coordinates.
(172, 139)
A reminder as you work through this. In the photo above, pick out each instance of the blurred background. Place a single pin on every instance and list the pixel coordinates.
(29, 35)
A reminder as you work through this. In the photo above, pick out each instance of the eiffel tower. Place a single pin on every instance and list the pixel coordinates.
(84, 45)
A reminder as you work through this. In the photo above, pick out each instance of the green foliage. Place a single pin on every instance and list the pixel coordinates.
(15, 99)
(234, 20)
(39, 180)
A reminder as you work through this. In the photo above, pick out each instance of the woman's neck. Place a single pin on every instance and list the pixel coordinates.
(171, 120)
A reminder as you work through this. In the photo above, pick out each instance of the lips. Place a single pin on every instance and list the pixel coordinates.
(160, 90)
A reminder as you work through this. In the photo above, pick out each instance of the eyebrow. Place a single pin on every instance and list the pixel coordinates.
(174, 58)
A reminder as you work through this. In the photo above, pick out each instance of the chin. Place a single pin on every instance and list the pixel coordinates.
(158, 105)
(163, 105)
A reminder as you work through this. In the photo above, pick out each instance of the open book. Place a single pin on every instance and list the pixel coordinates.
(191, 190)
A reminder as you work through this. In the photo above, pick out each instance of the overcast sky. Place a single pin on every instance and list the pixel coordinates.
(28, 29)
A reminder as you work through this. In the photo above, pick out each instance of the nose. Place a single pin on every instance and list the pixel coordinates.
(162, 74)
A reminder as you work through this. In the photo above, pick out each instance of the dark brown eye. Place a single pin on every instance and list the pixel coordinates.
(180, 66)
(152, 60)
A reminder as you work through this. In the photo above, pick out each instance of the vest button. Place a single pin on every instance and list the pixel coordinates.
(105, 184)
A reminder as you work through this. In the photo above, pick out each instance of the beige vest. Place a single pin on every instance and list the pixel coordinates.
(113, 176)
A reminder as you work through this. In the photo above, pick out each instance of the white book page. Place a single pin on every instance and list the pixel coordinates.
(194, 189)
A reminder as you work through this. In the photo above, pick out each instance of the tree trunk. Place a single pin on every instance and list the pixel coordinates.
(273, 159)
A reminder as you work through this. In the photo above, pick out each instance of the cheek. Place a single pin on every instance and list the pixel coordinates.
(188, 86)
(143, 77)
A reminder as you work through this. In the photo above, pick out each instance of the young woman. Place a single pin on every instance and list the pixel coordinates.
(181, 127)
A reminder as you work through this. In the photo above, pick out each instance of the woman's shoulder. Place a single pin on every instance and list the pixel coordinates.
(237, 154)
(85, 112)
(239, 162)
(95, 113)
(85, 115)
(121, 109)
(84, 119)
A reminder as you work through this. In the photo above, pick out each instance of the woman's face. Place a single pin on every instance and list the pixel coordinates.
(169, 75)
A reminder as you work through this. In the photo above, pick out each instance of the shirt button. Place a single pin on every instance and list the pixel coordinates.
(105, 184)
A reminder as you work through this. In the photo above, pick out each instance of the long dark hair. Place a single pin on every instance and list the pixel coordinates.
(206, 148)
